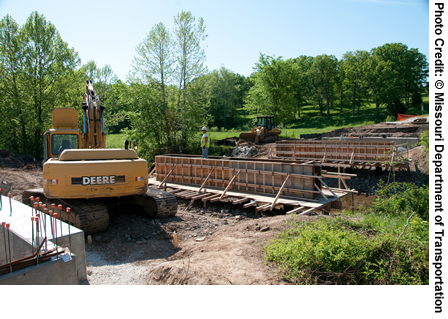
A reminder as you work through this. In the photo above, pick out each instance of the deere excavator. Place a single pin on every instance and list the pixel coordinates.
(265, 131)
(80, 173)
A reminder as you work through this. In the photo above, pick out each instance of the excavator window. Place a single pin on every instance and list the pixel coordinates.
(60, 142)
(261, 121)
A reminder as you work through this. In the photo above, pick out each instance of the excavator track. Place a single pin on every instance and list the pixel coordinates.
(160, 204)
(91, 216)
(156, 203)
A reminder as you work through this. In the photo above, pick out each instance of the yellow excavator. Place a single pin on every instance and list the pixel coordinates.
(265, 131)
(80, 173)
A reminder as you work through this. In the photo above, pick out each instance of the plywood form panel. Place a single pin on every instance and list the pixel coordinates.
(255, 176)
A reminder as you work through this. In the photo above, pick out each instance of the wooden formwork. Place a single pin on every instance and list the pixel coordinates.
(264, 184)
(261, 177)
(334, 152)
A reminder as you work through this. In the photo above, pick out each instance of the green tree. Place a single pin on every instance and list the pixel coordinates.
(155, 59)
(224, 92)
(377, 78)
(302, 85)
(36, 68)
(273, 92)
(354, 73)
(190, 58)
(408, 67)
(168, 116)
(323, 75)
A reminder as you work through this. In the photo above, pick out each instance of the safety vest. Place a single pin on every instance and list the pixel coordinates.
(203, 140)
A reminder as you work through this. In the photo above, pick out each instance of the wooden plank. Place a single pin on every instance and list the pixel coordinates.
(254, 203)
(262, 207)
(175, 190)
(296, 210)
(200, 196)
(230, 184)
(166, 177)
(279, 192)
(240, 201)
(217, 199)
(205, 199)
(189, 195)
(311, 210)
(329, 188)
(206, 179)
(315, 185)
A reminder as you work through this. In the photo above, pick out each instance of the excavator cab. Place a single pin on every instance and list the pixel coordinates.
(64, 133)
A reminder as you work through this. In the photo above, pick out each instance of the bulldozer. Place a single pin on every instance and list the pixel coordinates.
(265, 131)
(80, 173)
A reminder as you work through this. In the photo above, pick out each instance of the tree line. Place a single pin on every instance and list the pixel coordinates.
(170, 94)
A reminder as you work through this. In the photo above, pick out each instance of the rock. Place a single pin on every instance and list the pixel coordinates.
(265, 228)
(141, 242)
(237, 217)
(200, 239)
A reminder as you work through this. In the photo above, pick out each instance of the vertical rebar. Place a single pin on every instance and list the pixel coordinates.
(69, 235)
(62, 239)
(37, 218)
(37, 228)
(10, 205)
(55, 216)
(4, 240)
(50, 213)
(31, 204)
(1, 204)
(45, 229)
(9, 244)
(32, 234)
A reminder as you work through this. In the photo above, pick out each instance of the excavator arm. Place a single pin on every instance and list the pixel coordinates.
(93, 119)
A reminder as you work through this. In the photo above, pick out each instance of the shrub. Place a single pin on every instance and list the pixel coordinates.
(424, 141)
(342, 250)
(391, 118)
(401, 199)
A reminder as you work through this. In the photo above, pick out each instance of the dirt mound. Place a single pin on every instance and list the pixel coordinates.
(419, 159)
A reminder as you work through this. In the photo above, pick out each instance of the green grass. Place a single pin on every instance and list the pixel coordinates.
(115, 140)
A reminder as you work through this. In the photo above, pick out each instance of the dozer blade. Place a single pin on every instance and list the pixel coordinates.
(268, 137)
(248, 137)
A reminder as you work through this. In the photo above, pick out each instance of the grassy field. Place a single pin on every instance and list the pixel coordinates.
(115, 140)
(309, 122)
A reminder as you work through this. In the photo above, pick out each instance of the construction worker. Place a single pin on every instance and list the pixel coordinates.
(205, 142)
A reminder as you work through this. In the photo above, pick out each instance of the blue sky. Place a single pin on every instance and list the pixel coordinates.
(238, 31)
